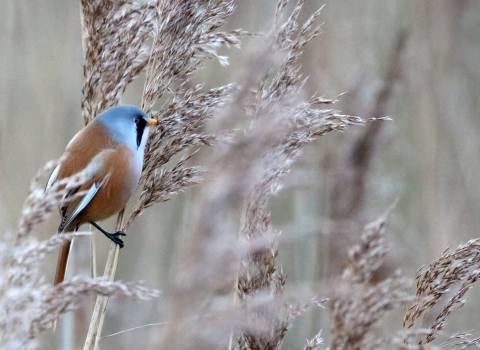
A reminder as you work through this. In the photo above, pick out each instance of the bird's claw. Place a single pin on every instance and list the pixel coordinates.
(114, 238)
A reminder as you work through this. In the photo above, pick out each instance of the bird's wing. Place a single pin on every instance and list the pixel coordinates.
(70, 211)
(53, 177)
(91, 171)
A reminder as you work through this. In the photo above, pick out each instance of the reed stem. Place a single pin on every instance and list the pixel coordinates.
(98, 316)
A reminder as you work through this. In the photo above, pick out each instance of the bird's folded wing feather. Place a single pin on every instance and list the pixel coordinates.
(70, 211)
(75, 206)
(53, 177)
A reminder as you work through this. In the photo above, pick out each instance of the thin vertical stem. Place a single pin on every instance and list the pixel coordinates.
(98, 316)
(93, 262)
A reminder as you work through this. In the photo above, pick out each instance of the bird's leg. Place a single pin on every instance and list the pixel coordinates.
(112, 236)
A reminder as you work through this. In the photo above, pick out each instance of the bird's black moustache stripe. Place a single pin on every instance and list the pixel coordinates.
(140, 129)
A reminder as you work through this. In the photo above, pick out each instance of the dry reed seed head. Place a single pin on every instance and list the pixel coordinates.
(178, 131)
(405, 340)
(461, 340)
(368, 254)
(315, 342)
(115, 43)
(184, 29)
(300, 124)
(269, 317)
(189, 109)
(357, 306)
(20, 287)
(284, 38)
(163, 184)
(64, 297)
(211, 257)
(27, 304)
(259, 270)
(459, 267)
(35, 206)
(24, 260)
(41, 202)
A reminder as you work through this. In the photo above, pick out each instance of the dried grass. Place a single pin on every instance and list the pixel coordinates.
(115, 34)
(445, 281)
(227, 275)
(357, 305)
(29, 305)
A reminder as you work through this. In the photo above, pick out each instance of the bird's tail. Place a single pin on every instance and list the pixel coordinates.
(61, 268)
(62, 263)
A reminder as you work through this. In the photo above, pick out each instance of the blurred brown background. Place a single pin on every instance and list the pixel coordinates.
(426, 157)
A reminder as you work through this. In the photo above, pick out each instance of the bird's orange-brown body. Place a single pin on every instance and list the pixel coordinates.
(112, 166)
(118, 176)
(117, 171)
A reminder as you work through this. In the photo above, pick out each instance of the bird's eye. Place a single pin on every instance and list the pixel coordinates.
(136, 120)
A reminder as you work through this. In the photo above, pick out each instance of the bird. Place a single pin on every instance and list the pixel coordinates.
(109, 153)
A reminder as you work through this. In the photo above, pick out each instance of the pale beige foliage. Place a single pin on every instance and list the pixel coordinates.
(29, 304)
(227, 279)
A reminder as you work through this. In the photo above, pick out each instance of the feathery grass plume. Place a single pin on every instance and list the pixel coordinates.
(249, 161)
(186, 30)
(302, 124)
(37, 206)
(186, 33)
(178, 130)
(41, 201)
(28, 305)
(204, 280)
(357, 306)
(63, 297)
(461, 340)
(315, 342)
(115, 34)
(453, 273)
(203, 283)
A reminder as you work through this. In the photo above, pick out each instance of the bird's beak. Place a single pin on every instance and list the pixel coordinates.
(152, 122)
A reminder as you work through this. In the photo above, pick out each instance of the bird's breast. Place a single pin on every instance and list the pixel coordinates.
(119, 176)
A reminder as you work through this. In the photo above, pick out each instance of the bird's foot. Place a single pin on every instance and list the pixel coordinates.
(114, 237)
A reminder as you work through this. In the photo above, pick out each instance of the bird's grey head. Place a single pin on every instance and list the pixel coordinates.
(128, 125)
